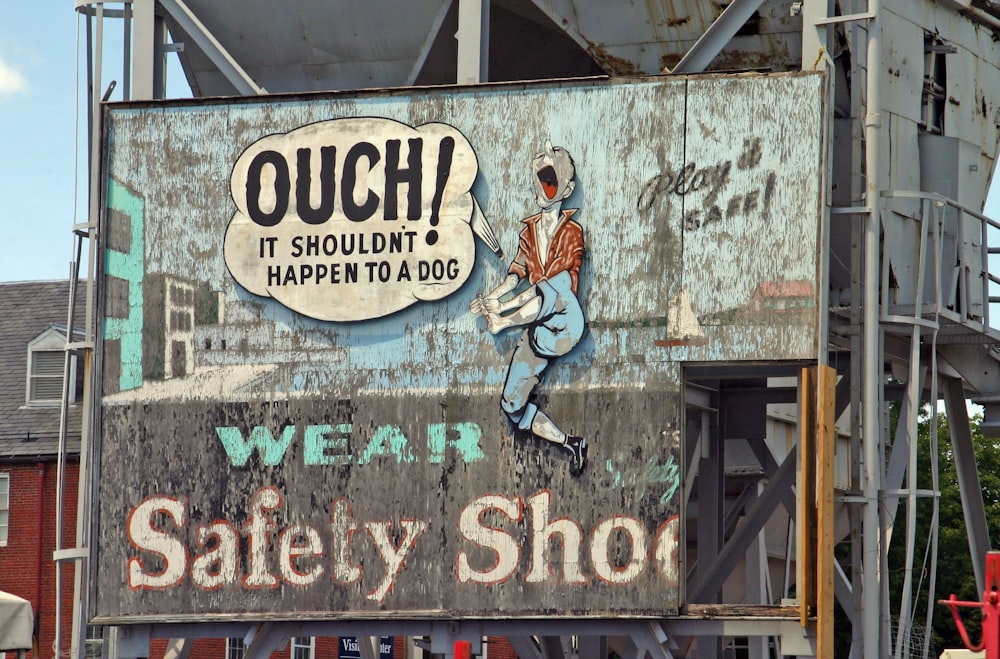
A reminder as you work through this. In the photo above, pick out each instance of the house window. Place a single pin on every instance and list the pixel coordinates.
(738, 648)
(46, 376)
(303, 647)
(95, 642)
(4, 507)
(235, 648)
(46, 361)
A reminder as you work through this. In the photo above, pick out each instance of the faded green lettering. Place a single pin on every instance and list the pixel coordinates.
(326, 444)
(239, 449)
(668, 474)
(467, 443)
(388, 441)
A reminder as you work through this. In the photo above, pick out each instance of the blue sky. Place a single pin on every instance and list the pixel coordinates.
(37, 128)
(43, 190)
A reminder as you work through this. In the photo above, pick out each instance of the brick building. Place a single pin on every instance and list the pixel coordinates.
(33, 336)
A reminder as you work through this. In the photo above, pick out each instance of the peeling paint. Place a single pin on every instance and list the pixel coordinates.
(403, 485)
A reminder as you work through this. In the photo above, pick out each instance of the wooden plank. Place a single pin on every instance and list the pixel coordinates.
(806, 564)
(826, 440)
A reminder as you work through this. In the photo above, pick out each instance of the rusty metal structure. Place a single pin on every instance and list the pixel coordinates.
(782, 457)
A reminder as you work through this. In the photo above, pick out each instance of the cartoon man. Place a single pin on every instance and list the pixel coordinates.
(550, 251)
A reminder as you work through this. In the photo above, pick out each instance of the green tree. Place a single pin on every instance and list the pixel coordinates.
(954, 568)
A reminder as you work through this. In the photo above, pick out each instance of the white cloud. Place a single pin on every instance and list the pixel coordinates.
(11, 80)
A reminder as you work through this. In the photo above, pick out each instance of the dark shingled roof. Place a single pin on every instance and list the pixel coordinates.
(27, 309)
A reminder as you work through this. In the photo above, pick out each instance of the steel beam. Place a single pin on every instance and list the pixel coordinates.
(899, 459)
(711, 580)
(717, 36)
(266, 638)
(711, 501)
(590, 646)
(758, 582)
(767, 461)
(368, 646)
(425, 49)
(977, 366)
(795, 639)
(220, 57)
(178, 648)
(968, 477)
(844, 592)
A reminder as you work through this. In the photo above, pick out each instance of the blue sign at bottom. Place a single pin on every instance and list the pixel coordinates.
(348, 648)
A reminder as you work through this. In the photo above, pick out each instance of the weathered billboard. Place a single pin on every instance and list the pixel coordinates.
(421, 352)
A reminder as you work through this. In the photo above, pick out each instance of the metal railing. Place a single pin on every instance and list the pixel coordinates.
(963, 294)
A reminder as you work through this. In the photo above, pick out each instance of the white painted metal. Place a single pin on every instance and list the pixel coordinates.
(144, 30)
(473, 41)
(873, 632)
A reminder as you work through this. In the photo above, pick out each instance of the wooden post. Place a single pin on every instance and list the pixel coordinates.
(805, 586)
(826, 437)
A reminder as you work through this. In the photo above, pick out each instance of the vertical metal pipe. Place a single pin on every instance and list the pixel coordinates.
(873, 628)
(984, 269)
(90, 88)
(95, 156)
(94, 77)
(95, 47)
(81, 583)
(61, 463)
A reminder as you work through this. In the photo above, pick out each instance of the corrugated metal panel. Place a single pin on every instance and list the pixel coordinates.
(258, 461)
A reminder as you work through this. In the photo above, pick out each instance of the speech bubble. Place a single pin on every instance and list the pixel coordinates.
(354, 219)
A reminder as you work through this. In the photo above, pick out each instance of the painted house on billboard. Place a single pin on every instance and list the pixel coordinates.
(176, 309)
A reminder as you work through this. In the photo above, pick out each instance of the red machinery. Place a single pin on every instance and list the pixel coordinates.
(463, 650)
(991, 610)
